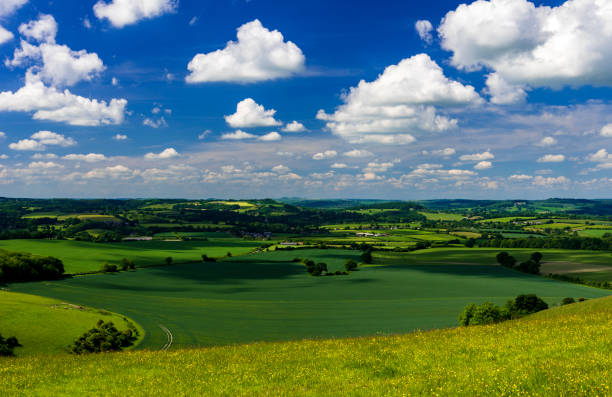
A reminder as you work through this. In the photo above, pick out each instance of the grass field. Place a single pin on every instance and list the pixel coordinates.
(442, 216)
(80, 256)
(564, 351)
(44, 325)
(265, 297)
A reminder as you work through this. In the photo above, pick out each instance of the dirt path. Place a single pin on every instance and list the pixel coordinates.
(170, 338)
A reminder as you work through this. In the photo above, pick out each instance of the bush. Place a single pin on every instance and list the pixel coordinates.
(104, 338)
(525, 304)
(169, 260)
(8, 345)
(505, 259)
(488, 313)
(568, 301)
(126, 264)
(206, 258)
(366, 257)
(315, 269)
(530, 267)
(350, 265)
(109, 268)
(18, 266)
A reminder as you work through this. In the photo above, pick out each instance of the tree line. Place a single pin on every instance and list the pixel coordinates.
(19, 266)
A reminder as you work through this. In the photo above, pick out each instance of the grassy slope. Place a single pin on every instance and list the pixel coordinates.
(563, 351)
(44, 325)
(256, 299)
(79, 256)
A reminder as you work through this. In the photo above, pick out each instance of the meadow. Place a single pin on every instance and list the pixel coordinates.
(82, 257)
(267, 297)
(564, 351)
(46, 325)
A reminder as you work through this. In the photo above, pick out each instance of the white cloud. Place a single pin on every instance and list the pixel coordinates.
(424, 28)
(149, 122)
(533, 46)
(3, 157)
(204, 134)
(483, 165)
(257, 55)
(237, 135)
(328, 154)
(7, 7)
(449, 151)
(193, 21)
(602, 157)
(270, 137)
(44, 165)
(120, 137)
(551, 158)
(542, 181)
(89, 158)
(520, 177)
(115, 81)
(503, 93)
(339, 165)
(294, 126)
(27, 144)
(477, 156)
(250, 114)
(2, 135)
(86, 23)
(400, 101)
(548, 141)
(166, 154)
(44, 29)
(115, 172)
(357, 153)
(41, 156)
(40, 140)
(127, 12)
(375, 167)
(606, 131)
(61, 66)
(281, 169)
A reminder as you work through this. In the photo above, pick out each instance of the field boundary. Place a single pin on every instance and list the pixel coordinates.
(166, 346)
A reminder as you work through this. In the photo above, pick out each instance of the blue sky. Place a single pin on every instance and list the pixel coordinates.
(244, 99)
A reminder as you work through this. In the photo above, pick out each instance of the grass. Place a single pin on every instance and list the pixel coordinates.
(265, 297)
(44, 325)
(564, 351)
(80, 256)
(442, 216)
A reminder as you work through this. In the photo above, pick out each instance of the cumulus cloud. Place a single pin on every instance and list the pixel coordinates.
(424, 28)
(551, 158)
(358, 153)
(449, 151)
(477, 156)
(548, 141)
(294, 126)
(238, 135)
(606, 131)
(120, 137)
(204, 134)
(270, 137)
(44, 165)
(89, 158)
(258, 55)
(602, 157)
(520, 177)
(115, 172)
(483, 165)
(525, 45)
(250, 114)
(2, 135)
(40, 140)
(127, 12)
(54, 64)
(7, 7)
(166, 154)
(376, 167)
(339, 165)
(401, 101)
(328, 154)
(281, 169)
(155, 123)
(503, 93)
(544, 181)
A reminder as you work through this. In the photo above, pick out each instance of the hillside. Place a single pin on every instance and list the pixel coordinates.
(562, 351)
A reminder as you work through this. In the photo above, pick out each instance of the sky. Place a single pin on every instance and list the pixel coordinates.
(491, 99)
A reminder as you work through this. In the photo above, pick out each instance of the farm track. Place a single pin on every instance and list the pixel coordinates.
(170, 338)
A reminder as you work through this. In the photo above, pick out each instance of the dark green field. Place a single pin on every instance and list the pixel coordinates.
(265, 297)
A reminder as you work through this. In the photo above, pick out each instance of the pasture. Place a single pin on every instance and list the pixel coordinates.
(564, 351)
(82, 257)
(48, 326)
(266, 297)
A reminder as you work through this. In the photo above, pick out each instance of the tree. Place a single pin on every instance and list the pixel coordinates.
(525, 304)
(568, 301)
(530, 266)
(169, 260)
(206, 258)
(8, 345)
(366, 256)
(486, 313)
(109, 268)
(126, 264)
(229, 254)
(505, 259)
(350, 265)
(104, 337)
(537, 257)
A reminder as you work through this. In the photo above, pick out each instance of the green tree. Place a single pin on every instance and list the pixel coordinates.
(350, 265)
(8, 345)
(169, 260)
(366, 257)
(104, 337)
(505, 259)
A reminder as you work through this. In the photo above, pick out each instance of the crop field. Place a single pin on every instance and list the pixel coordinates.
(442, 216)
(63, 216)
(46, 325)
(562, 351)
(81, 256)
(266, 297)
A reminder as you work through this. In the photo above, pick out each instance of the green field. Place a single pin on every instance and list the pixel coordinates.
(265, 297)
(564, 351)
(81, 256)
(45, 325)
(442, 216)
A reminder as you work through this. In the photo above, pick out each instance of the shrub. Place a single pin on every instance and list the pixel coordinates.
(126, 264)
(466, 315)
(530, 267)
(169, 260)
(366, 256)
(488, 313)
(206, 258)
(109, 268)
(568, 301)
(505, 259)
(537, 257)
(18, 266)
(8, 345)
(525, 304)
(350, 265)
(104, 337)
